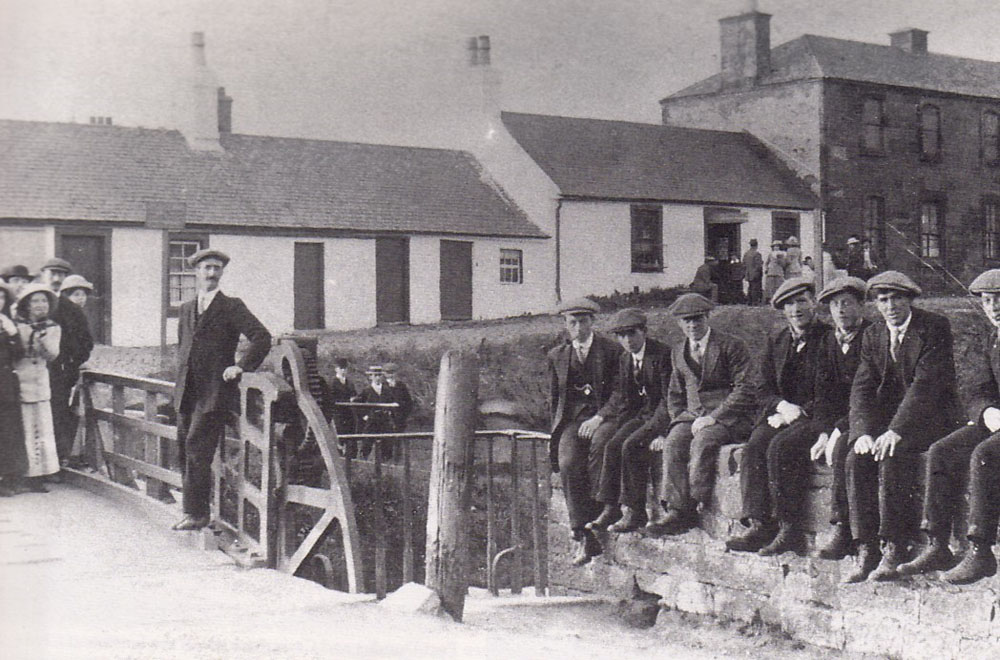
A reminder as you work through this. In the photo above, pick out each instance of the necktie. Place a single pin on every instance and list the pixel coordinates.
(636, 368)
(894, 344)
(696, 352)
(580, 354)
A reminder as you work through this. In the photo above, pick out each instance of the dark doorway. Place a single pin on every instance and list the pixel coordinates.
(722, 241)
(392, 280)
(88, 253)
(310, 310)
(456, 280)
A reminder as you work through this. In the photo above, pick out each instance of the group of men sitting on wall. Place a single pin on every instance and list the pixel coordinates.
(869, 398)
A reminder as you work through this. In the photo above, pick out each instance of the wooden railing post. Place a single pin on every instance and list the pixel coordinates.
(450, 485)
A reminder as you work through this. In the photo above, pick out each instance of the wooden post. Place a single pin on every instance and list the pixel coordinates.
(451, 475)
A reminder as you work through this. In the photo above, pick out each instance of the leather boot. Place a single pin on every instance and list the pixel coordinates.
(756, 537)
(611, 514)
(674, 522)
(978, 563)
(839, 545)
(888, 568)
(587, 547)
(788, 539)
(868, 558)
(935, 556)
(634, 519)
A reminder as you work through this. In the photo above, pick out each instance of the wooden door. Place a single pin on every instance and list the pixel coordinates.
(88, 253)
(309, 303)
(456, 280)
(392, 280)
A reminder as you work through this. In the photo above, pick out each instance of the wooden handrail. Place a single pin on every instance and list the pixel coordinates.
(124, 380)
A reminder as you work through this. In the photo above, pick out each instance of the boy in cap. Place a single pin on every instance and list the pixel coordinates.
(837, 363)
(623, 439)
(209, 329)
(903, 399)
(972, 451)
(776, 456)
(710, 402)
(582, 374)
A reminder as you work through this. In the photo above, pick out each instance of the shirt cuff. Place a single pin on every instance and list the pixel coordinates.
(991, 419)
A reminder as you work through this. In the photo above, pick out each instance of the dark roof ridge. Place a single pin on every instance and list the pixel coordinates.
(929, 53)
(668, 127)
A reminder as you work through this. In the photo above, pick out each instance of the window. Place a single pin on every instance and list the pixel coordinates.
(875, 225)
(991, 229)
(930, 132)
(181, 283)
(783, 225)
(991, 138)
(931, 230)
(647, 239)
(872, 127)
(511, 266)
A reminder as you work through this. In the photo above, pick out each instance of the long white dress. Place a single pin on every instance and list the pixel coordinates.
(41, 347)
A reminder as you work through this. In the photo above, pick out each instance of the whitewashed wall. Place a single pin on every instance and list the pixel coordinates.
(425, 279)
(350, 283)
(137, 287)
(492, 298)
(261, 273)
(29, 246)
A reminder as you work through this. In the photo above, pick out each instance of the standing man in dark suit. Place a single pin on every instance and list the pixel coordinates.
(209, 328)
(399, 393)
(582, 373)
(903, 398)
(774, 460)
(75, 345)
(709, 403)
(838, 362)
(753, 273)
(340, 389)
(972, 451)
(643, 377)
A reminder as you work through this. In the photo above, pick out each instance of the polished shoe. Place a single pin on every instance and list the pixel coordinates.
(674, 522)
(611, 514)
(868, 558)
(587, 547)
(755, 538)
(633, 520)
(839, 545)
(888, 569)
(936, 556)
(788, 539)
(191, 523)
(978, 563)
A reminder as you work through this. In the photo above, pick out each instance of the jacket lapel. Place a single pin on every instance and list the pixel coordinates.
(214, 309)
(909, 350)
(710, 358)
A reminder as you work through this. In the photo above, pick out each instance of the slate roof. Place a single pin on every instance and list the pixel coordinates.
(815, 57)
(597, 158)
(114, 174)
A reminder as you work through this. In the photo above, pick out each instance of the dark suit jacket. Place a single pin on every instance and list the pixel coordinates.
(625, 402)
(605, 352)
(400, 393)
(209, 346)
(929, 408)
(775, 362)
(724, 390)
(983, 390)
(378, 420)
(834, 376)
(75, 342)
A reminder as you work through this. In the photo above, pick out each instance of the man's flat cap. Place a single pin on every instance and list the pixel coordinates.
(691, 304)
(855, 285)
(988, 282)
(578, 306)
(15, 271)
(207, 253)
(76, 282)
(894, 280)
(793, 286)
(390, 367)
(374, 369)
(626, 319)
(57, 264)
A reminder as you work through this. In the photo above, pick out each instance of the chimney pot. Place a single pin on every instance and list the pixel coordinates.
(910, 40)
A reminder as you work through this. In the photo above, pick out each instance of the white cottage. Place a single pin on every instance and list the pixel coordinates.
(635, 206)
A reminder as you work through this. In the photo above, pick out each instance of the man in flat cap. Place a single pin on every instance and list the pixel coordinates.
(623, 439)
(582, 374)
(972, 452)
(837, 363)
(903, 398)
(75, 345)
(209, 328)
(710, 402)
(775, 459)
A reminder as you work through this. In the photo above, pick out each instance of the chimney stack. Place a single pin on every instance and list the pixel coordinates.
(746, 47)
(202, 130)
(225, 109)
(911, 40)
(488, 79)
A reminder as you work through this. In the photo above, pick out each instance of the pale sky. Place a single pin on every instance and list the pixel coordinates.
(394, 71)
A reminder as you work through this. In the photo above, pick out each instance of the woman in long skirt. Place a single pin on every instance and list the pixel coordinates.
(13, 461)
(40, 339)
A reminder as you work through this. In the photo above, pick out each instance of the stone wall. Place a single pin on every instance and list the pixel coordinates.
(914, 618)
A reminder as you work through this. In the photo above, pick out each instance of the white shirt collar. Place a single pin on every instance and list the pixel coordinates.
(378, 387)
(638, 356)
(701, 344)
(900, 331)
(584, 346)
(206, 298)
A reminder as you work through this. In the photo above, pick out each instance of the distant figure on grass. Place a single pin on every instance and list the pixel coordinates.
(582, 374)
(209, 329)
(377, 420)
(753, 273)
(340, 389)
(399, 393)
(13, 457)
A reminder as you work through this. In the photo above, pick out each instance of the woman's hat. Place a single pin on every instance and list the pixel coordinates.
(791, 240)
(31, 289)
(76, 282)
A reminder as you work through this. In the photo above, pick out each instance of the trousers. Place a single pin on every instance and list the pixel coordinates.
(625, 464)
(199, 434)
(579, 468)
(773, 470)
(689, 464)
(839, 506)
